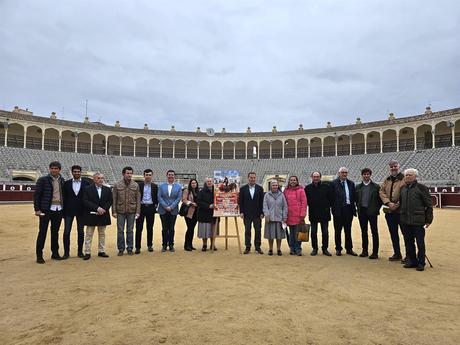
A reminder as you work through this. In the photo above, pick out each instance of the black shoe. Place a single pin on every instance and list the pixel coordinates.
(364, 255)
(258, 250)
(56, 257)
(188, 249)
(150, 249)
(279, 253)
(314, 252)
(247, 250)
(326, 252)
(373, 257)
(65, 257)
(270, 252)
(120, 253)
(338, 252)
(40, 260)
(291, 252)
(420, 267)
(103, 255)
(193, 248)
(395, 257)
(138, 251)
(81, 255)
(204, 248)
(404, 261)
(130, 252)
(299, 253)
(87, 257)
(352, 253)
(409, 265)
(171, 249)
(215, 248)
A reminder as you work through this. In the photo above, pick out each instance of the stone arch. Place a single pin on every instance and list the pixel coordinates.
(289, 148)
(443, 134)
(250, 149)
(167, 148)
(343, 145)
(357, 144)
(406, 139)
(457, 132)
(216, 150)
(68, 141)
(34, 137)
(204, 147)
(154, 147)
(192, 149)
(315, 147)
(179, 149)
(228, 149)
(389, 140)
(329, 146)
(277, 149)
(302, 148)
(424, 137)
(373, 142)
(240, 150)
(141, 147)
(113, 145)
(51, 139)
(264, 147)
(99, 144)
(84, 143)
(127, 146)
(15, 135)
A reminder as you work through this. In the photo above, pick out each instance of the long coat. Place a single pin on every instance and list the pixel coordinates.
(204, 199)
(297, 205)
(275, 207)
(91, 202)
(319, 198)
(416, 204)
(339, 197)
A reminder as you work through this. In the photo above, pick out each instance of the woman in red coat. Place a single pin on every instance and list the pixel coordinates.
(297, 210)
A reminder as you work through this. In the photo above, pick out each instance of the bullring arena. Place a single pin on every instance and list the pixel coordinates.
(225, 297)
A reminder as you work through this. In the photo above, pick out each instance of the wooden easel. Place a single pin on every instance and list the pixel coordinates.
(227, 236)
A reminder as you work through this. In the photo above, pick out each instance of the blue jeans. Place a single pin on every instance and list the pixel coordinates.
(68, 221)
(127, 218)
(393, 222)
(296, 246)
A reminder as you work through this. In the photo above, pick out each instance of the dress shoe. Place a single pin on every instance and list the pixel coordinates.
(150, 249)
(193, 248)
(40, 260)
(120, 253)
(298, 253)
(373, 257)
(404, 260)
(204, 248)
(247, 250)
(291, 252)
(364, 255)
(395, 257)
(81, 255)
(65, 257)
(314, 252)
(188, 249)
(409, 265)
(215, 248)
(279, 253)
(258, 250)
(103, 255)
(130, 252)
(338, 252)
(171, 249)
(352, 253)
(87, 257)
(420, 268)
(164, 248)
(270, 252)
(138, 251)
(326, 252)
(56, 257)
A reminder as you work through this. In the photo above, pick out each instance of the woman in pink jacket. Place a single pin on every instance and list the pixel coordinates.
(297, 210)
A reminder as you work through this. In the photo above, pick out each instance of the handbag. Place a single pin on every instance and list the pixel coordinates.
(183, 209)
(303, 232)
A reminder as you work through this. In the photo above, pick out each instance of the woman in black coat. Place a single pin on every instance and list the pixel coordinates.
(207, 224)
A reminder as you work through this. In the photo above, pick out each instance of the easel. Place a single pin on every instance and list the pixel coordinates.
(227, 236)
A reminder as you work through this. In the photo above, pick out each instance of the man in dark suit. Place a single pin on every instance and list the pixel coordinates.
(48, 205)
(149, 203)
(73, 208)
(251, 202)
(97, 200)
(343, 210)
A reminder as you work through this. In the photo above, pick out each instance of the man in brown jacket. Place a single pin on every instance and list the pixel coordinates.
(126, 208)
(390, 193)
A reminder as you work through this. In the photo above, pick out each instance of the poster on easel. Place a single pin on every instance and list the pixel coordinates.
(226, 191)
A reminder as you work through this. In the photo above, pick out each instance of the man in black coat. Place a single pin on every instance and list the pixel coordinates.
(343, 210)
(149, 203)
(73, 208)
(319, 199)
(251, 200)
(48, 205)
(368, 203)
(97, 200)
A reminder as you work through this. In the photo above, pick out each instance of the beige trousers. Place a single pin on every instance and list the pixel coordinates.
(89, 238)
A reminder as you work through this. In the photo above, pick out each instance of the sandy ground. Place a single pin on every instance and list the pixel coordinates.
(226, 298)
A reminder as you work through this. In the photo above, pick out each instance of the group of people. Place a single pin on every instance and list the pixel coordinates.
(406, 203)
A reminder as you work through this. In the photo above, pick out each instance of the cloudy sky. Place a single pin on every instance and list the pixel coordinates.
(227, 63)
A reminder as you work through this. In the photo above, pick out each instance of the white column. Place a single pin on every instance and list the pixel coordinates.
(198, 149)
(415, 139)
(91, 138)
(106, 145)
(350, 140)
(25, 137)
(234, 150)
(282, 148)
(245, 150)
(453, 135)
(365, 143)
(60, 141)
(381, 142)
(397, 140)
(6, 136)
(161, 149)
(336, 139)
(295, 148)
(433, 137)
(43, 139)
(76, 142)
(121, 140)
(270, 142)
(210, 150)
(222, 147)
(322, 147)
(134, 141)
(308, 147)
(174, 148)
(148, 148)
(186, 149)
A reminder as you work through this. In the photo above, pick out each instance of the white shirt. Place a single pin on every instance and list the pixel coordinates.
(252, 190)
(169, 189)
(99, 191)
(55, 208)
(347, 192)
(366, 183)
(76, 185)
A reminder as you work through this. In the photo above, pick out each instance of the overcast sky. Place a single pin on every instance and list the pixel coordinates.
(229, 63)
